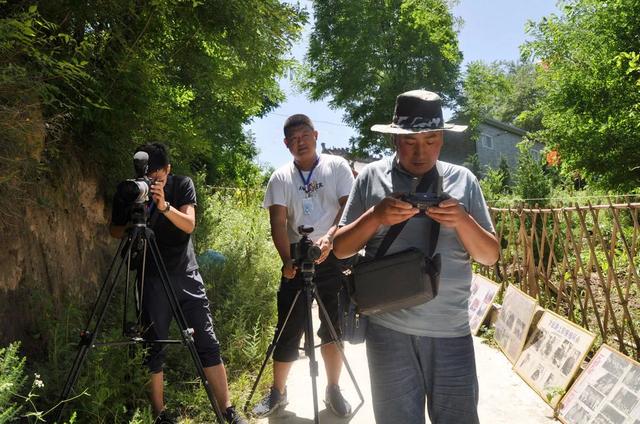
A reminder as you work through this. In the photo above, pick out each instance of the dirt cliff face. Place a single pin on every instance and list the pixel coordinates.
(54, 251)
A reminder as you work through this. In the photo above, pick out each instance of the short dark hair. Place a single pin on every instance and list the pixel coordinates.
(295, 121)
(158, 155)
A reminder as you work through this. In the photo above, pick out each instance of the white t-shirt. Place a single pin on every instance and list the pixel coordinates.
(314, 204)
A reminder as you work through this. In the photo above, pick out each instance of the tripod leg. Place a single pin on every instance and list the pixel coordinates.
(185, 332)
(310, 345)
(88, 336)
(334, 335)
(270, 350)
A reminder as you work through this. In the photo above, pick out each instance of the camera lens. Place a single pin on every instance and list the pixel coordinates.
(133, 191)
(313, 252)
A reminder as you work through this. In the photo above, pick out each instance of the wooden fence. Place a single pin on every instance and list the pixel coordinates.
(579, 261)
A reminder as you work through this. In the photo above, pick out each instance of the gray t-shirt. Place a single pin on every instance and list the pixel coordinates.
(446, 315)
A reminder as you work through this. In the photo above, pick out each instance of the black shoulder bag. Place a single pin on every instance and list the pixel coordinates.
(401, 280)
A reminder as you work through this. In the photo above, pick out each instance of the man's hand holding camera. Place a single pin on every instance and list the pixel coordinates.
(289, 269)
(391, 210)
(157, 194)
(449, 213)
(325, 243)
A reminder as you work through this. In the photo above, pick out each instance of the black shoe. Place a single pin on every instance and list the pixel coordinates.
(271, 403)
(336, 402)
(233, 417)
(164, 418)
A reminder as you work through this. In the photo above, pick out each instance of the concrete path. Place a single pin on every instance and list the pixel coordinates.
(504, 396)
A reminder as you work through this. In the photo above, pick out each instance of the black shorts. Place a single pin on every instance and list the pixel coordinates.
(157, 315)
(328, 280)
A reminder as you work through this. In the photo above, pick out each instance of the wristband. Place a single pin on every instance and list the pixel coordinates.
(165, 210)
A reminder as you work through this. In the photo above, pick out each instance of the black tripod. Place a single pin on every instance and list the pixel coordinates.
(139, 239)
(305, 258)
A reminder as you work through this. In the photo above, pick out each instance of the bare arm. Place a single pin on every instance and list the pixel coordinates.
(280, 237)
(184, 218)
(480, 243)
(351, 238)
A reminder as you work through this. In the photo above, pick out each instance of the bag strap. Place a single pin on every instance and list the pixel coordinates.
(396, 229)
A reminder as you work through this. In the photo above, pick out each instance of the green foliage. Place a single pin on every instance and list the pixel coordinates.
(530, 180)
(553, 392)
(363, 54)
(187, 73)
(492, 185)
(473, 164)
(111, 383)
(504, 169)
(496, 183)
(38, 89)
(488, 336)
(242, 290)
(504, 90)
(589, 72)
(12, 380)
(14, 404)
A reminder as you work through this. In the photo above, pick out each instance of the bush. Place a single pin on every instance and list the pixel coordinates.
(240, 268)
(111, 385)
(242, 289)
(531, 182)
(12, 380)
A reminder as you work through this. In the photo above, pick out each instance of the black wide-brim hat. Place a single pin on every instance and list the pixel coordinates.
(417, 111)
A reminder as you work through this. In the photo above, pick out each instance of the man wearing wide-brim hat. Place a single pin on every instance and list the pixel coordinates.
(424, 352)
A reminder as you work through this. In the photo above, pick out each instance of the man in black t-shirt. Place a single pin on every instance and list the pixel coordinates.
(172, 218)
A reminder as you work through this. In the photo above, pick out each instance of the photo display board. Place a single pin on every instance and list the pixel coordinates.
(513, 322)
(552, 355)
(483, 294)
(607, 392)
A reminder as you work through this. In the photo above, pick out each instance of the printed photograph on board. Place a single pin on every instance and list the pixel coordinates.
(605, 392)
(514, 321)
(483, 294)
(553, 355)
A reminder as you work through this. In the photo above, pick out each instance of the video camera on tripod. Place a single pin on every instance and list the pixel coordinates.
(305, 252)
(136, 190)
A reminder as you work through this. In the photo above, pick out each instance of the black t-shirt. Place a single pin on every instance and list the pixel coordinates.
(176, 247)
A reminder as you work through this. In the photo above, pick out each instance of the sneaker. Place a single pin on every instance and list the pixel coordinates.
(233, 417)
(164, 418)
(336, 402)
(271, 403)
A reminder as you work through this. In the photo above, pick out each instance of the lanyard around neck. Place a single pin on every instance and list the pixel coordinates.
(306, 181)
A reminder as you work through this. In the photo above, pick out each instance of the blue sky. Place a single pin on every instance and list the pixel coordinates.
(491, 30)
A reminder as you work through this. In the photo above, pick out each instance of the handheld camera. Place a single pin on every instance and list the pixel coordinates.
(423, 201)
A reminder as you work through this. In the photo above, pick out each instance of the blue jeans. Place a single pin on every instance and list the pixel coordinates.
(406, 369)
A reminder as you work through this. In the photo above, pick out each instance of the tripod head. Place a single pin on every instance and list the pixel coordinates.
(304, 253)
(139, 214)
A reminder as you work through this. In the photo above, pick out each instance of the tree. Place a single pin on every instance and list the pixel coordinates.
(473, 164)
(505, 171)
(530, 180)
(504, 90)
(191, 73)
(589, 71)
(363, 54)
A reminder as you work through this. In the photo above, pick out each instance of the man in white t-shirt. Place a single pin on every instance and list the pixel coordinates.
(311, 190)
